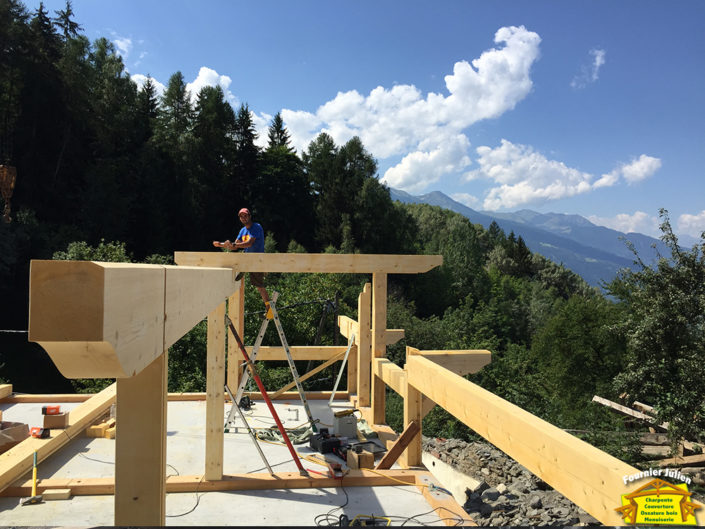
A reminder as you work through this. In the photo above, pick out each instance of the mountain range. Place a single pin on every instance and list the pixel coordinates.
(594, 252)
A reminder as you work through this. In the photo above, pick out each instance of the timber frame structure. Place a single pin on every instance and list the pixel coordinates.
(115, 320)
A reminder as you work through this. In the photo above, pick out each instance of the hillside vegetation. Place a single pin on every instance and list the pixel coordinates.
(113, 172)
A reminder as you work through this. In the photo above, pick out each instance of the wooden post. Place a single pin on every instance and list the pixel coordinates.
(352, 370)
(364, 351)
(236, 311)
(140, 448)
(215, 398)
(411, 457)
(379, 344)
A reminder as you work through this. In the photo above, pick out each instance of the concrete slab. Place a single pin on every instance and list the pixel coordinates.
(92, 458)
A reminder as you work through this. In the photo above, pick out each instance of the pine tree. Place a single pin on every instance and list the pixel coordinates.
(278, 135)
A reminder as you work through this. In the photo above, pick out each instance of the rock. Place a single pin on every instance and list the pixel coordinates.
(535, 502)
(501, 488)
(485, 471)
(490, 494)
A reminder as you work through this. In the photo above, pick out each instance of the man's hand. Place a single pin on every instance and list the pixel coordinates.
(226, 244)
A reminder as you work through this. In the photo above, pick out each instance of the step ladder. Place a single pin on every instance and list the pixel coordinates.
(250, 364)
(290, 360)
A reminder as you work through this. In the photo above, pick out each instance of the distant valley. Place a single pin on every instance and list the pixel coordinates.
(594, 252)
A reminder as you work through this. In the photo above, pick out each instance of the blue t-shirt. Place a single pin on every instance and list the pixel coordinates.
(254, 232)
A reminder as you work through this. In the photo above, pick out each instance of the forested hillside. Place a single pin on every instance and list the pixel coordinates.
(110, 171)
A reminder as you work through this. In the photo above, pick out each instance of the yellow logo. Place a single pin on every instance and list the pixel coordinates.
(659, 503)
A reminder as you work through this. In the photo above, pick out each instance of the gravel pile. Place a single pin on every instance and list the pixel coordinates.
(508, 493)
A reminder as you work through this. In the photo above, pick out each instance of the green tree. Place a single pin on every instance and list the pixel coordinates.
(665, 333)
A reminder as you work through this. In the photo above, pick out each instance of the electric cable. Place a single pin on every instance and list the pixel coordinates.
(327, 519)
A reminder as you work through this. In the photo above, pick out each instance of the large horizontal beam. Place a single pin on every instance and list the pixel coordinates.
(298, 352)
(312, 262)
(18, 459)
(589, 477)
(111, 320)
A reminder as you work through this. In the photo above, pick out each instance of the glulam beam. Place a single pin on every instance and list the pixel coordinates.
(312, 262)
(587, 476)
(111, 320)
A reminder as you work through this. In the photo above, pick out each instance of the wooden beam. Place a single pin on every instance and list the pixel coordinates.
(348, 327)
(624, 410)
(363, 337)
(192, 396)
(589, 477)
(697, 460)
(311, 262)
(140, 449)
(379, 345)
(411, 456)
(282, 480)
(236, 312)
(461, 362)
(308, 375)
(399, 445)
(18, 459)
(391, 374)
(352, 370)
(215, 393)
(5, 390)
(111, 320)
(299, 352)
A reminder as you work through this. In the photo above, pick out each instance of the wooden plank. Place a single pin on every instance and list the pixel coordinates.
(215, 393)
(589, 477)
(426, 405)
(348, 327)
(695, 461)
(364, 345)
(18, 459)
(140, 449)
(299, 352)
(446, 506)
(56, 494)
(236, 312)
(47, 398)
(5, 391)
(111, 320)
(630, 412)
(311, 262)
(306, 376)
(391, 374)
(282, 480)
(399, 446)
(379, 346)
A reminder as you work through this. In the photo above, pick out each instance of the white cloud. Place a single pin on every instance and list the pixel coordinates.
(640, 168)
(525, 176)
(692, 225)
(124, 46)
(209, 77)
(402, 121)
(638, 222)
(466, 199)
(261, 124)
(140, 79)
(589, 73)
(449, 156)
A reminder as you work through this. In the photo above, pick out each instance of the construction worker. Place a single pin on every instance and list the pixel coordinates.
(250, 240)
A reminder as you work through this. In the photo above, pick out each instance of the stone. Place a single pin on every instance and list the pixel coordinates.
(501, 488)
(535, 502)
(490, 494)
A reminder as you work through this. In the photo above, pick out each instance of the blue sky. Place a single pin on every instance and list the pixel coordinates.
(587, 107)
